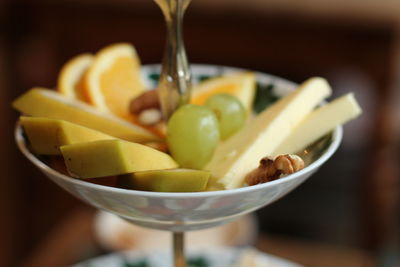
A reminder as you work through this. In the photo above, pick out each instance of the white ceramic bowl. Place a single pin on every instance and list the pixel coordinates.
(184, 211)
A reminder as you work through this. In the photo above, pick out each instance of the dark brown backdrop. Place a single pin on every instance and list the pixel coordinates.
(37, 37)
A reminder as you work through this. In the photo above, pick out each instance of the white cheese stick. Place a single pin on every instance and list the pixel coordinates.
(320, 122)
(241, 153)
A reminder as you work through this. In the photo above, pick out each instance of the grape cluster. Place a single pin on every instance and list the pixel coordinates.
(195, 131)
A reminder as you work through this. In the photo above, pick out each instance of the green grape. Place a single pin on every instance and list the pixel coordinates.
(230, 113)
(192, 135)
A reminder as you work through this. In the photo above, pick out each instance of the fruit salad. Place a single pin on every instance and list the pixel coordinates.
(104, 126)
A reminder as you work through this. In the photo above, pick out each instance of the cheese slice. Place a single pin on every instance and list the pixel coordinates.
(241, 153)
(320, 122)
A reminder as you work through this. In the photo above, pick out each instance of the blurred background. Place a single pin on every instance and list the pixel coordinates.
(348, 211)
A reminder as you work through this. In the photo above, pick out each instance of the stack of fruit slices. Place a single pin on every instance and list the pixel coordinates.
(88, 121)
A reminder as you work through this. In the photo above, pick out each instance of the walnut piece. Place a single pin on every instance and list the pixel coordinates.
(147, 100)
(270, 169)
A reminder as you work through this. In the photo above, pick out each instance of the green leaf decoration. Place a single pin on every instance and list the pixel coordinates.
(202, 78)
(155, 77)
(264, 97)
(191, 262)
(197, 262)
(142, 263)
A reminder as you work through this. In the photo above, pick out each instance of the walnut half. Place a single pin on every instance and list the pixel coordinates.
(270, 169)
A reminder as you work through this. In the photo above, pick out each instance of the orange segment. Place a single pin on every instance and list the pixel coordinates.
(70, 79)
(241, 85)
(113, 79)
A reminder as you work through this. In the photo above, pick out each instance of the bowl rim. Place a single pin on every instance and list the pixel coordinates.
(336, 140)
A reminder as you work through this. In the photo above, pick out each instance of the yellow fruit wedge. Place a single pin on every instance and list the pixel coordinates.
(114, 79)
(320, 122)
(241, 85)
(171, 180)
(40, 102)
(113, 157)
(47, 135)
(71, 77)
(57, 163)
(241, 153)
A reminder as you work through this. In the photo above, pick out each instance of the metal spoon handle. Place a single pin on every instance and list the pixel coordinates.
(175, 81)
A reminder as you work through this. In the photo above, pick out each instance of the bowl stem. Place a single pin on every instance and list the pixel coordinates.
(179, 247)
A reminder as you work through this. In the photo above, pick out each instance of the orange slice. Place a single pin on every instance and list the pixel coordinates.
(242, 85)
(113, 79)
(70, 79)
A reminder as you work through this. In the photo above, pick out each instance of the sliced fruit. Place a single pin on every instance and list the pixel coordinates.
(113, 157)
(57, 163)
(172, 180)
(160, 146)
(42, 102)
(242, 85)
(192, 135)
(320, 122)
(71, 77)
(47, 135)
(113, 79)
(241, 153)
